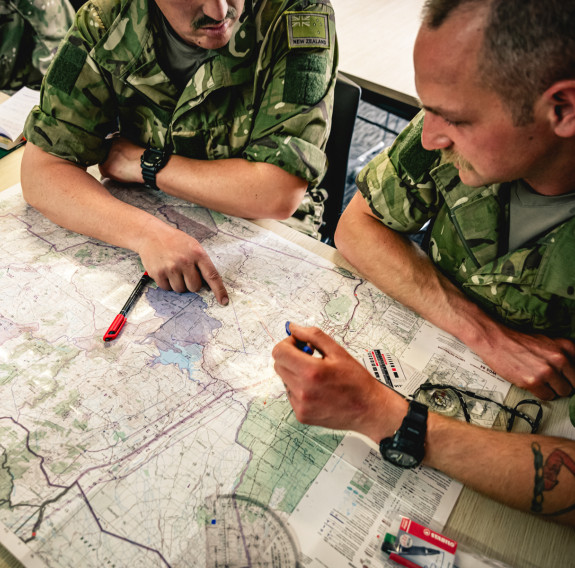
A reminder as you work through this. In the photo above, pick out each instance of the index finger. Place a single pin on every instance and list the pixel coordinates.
(292, 364)
(213, 280)
(315, 337)
(287, 348)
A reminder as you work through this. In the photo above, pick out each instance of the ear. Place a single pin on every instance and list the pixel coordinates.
(559, 100)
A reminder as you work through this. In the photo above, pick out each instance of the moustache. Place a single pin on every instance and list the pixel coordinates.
(206, 21)
(452, 156)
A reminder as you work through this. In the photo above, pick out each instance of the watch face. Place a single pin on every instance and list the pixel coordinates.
(400, 458)
(406, 448)
(152, 158)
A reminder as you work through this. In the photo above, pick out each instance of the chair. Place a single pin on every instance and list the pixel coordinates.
(346, 102)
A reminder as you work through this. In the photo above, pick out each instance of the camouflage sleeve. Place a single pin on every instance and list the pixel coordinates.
(396, 184)
(50, 22)
(30, 31)
(77, 108)
(12, 60)
(296, 83)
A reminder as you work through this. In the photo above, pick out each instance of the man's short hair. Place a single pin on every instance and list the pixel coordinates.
(529, 45)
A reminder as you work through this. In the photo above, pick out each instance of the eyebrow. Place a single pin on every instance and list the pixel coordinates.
(451, 115)
(434, 110)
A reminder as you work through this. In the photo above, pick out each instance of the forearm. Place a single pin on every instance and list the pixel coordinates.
(253, 190)
(528, 472)
(234, 186)
(399, 268)
(532, 473)
(72, 198)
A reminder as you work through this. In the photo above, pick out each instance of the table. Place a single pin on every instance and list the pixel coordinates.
(516, 538)
(376, 40)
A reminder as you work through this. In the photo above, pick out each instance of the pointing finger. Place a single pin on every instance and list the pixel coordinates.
(214, 280)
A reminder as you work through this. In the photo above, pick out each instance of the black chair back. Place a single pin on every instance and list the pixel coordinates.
(346, 102)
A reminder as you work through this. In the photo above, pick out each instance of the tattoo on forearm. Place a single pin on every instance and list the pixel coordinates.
(546, 476)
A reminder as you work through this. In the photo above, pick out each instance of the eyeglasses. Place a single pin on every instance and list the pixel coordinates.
(450, 400)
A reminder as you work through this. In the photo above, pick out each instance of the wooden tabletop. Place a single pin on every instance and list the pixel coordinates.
(376, 40)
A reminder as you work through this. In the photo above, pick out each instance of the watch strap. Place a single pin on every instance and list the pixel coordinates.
(414, 425)
(151, 162)
(410, 437)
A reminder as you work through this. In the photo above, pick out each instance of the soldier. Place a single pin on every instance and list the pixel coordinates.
(496, 178)
(30, 32)
(490, 162)
(223, 104)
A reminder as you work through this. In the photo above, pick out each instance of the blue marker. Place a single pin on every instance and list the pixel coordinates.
(300, 344)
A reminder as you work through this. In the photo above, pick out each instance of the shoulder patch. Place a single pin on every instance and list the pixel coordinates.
(306, 80)
(66, 67)
(307, 29)
(414, 158)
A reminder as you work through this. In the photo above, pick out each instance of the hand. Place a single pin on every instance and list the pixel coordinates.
(178, 262)
(542, 365)
(123, 162)
(335, 390)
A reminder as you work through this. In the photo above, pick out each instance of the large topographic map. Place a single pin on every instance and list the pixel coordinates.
(174, 445)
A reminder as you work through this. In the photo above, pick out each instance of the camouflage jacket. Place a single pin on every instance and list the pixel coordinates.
(531, 288)
(30, 32)
(260, 97)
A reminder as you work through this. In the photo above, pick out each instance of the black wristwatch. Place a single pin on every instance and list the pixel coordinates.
(152, 161)
(406, 448)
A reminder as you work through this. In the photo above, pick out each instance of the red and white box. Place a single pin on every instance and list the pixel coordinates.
(417, 546)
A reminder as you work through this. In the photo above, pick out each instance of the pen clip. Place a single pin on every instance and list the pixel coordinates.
(115, 328)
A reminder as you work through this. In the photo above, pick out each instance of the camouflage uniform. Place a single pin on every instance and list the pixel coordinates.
(258, 98)
(30, 32)
(531, 288)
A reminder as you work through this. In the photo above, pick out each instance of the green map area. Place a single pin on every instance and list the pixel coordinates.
(287, 457)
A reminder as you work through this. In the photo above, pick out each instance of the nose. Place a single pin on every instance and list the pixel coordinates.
(433, 135)
(216, 9)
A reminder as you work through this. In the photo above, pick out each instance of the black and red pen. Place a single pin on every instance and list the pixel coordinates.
(120, 319)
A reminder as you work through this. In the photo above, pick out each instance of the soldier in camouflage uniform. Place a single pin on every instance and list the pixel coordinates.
(496, 81)
(30, 32)
(530, 289)
(243, 128)
(517, 307)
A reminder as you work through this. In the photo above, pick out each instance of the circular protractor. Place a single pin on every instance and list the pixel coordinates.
(242, 532)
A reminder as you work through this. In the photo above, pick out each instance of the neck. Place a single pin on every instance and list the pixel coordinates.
(558, 186)
(557, 177)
